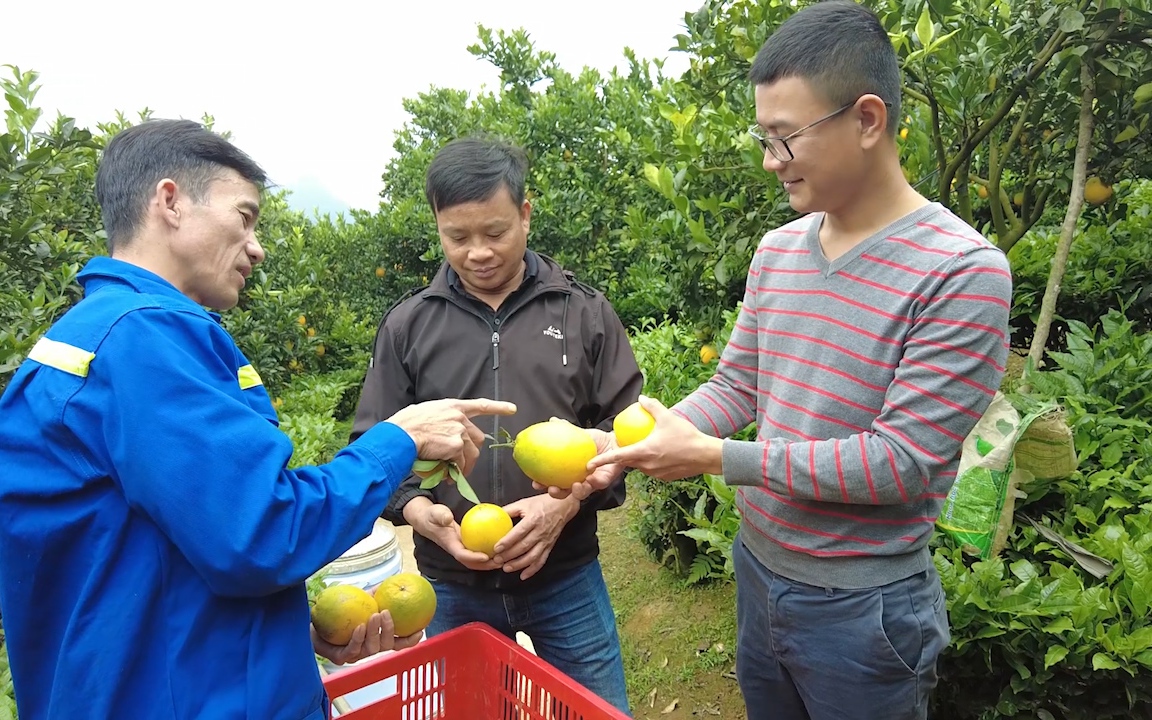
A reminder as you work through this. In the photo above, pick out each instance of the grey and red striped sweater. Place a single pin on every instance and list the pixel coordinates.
(863, 376)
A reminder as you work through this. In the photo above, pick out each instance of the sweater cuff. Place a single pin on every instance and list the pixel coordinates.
(744, 463)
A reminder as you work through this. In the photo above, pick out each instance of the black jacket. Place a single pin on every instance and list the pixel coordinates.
(555, 348)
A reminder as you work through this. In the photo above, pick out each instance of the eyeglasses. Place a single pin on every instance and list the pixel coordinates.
(778, 146)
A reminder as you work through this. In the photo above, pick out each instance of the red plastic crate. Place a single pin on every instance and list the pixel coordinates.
(470, 673)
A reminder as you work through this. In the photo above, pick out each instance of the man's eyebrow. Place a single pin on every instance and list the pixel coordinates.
(250, 206)
(777, 124)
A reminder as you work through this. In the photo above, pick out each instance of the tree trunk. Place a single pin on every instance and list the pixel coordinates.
(1075, 204)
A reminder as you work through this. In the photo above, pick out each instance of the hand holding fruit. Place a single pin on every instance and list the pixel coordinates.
(631, 425)
(443, 429)
(673, 449)
(527, 546)
(375, 636)
(349, 624)
(437, 523)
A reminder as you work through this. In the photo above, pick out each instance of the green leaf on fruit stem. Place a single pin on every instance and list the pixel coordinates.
(462, 485)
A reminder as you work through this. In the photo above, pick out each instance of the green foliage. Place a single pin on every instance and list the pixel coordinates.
(7, 697)
(309, 308)
(649, 188)
(998, 82)
(688, 524)
(714, 520)
(1109, 265)
(321, 269)
(49, 223)
(1033, 633)
(314, 413)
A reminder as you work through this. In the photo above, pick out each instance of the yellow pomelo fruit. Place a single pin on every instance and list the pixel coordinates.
(982, 192)
(1096, 192)
(632, 424)
(1018, 199)
(339, 610)
(409, 599)
(708, 354)
(554, 453)
(483, 526)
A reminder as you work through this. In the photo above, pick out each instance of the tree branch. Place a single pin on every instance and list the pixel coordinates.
(973, 141)
(1075, 204)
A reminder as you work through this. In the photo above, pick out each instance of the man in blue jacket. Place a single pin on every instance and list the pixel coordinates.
(153, 542)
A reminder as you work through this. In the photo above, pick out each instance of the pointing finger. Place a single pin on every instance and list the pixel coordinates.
(484, 406)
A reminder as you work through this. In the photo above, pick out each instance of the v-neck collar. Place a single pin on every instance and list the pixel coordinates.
(830, 267)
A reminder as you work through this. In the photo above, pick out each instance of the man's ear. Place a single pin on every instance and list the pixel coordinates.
(167, 202)
(872, 114)
(526, 215)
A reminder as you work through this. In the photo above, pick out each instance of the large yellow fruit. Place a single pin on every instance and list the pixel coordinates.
(982, 192)
(708, 354)
(339, 610)
(554, 453)
(483, 526)
(409, 599)
(632, 424)
(1096, 192)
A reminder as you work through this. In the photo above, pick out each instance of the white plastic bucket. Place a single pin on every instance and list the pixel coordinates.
(365, 565)
(369, 562)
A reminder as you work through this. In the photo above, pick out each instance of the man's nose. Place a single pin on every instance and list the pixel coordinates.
(255, 250)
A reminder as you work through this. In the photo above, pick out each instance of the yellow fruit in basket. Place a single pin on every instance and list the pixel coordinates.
(339, 610)
(409, 599)
(483, 526)
(632, 424)
(554, 453)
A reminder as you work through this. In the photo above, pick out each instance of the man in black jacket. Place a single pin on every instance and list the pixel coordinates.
(503, 322)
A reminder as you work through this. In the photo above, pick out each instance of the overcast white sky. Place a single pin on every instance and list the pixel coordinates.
(312, 90)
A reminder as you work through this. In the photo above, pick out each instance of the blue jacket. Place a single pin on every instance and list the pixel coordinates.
(153, 545)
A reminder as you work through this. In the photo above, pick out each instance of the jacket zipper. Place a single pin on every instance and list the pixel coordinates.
(493, 324)
(496, 396)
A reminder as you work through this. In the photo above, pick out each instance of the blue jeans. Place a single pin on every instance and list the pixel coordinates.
(812, 653)
(570, 621)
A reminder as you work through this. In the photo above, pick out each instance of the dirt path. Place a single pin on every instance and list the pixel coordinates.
(679, 641)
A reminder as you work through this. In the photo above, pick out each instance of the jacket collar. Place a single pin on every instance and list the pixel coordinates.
(540, 270)
(101, 272)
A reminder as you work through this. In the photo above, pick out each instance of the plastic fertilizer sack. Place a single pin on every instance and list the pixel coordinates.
(978, 509)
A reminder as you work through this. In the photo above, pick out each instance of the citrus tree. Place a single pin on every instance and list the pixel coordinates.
(49, 222)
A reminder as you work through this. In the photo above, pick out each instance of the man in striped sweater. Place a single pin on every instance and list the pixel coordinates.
(872, 336)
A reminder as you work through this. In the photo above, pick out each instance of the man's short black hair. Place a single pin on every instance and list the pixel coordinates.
(141, 156)
(839, 48)
(473, 169)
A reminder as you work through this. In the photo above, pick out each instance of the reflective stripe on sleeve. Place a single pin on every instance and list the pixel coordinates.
(248, 377)
(63, 357)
